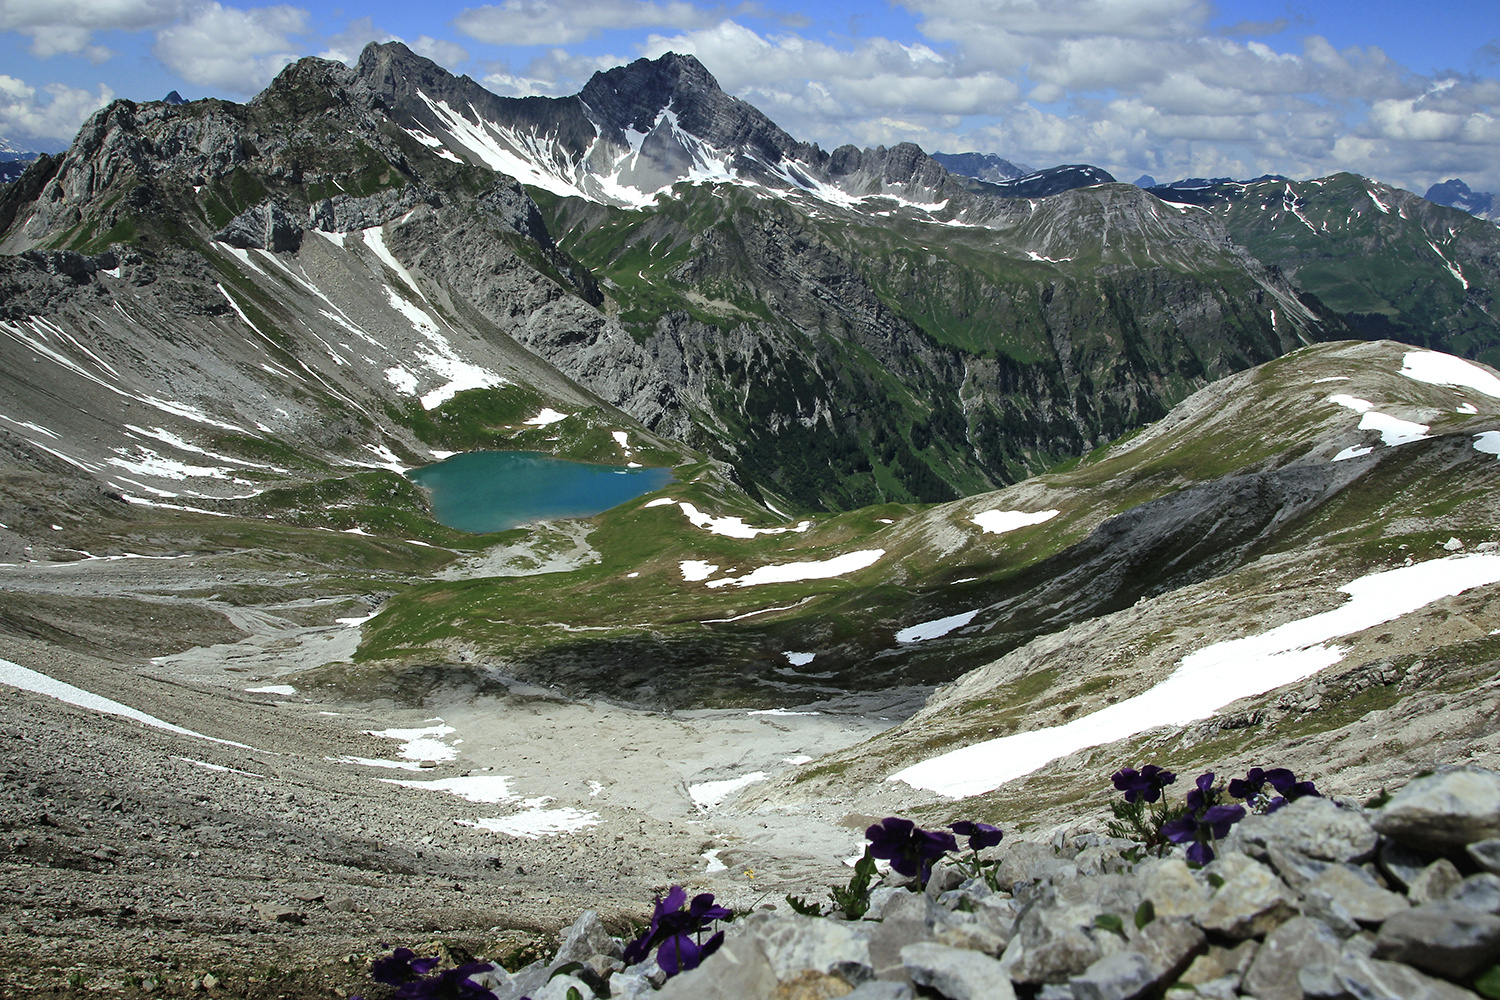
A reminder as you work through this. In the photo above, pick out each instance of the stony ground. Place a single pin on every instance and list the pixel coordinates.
(139, 860)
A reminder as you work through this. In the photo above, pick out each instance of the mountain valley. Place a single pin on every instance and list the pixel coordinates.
(956, 460)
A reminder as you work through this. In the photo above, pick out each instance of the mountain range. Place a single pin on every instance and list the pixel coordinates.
(993, 452)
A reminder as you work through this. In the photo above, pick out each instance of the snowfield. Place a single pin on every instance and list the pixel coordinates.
(998, 522)
(1211, 678)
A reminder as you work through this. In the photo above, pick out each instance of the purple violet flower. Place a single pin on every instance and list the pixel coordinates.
(402, 967)
(1145, 784)
(1205, 821)
(910, 849)
(675, 932)
(451, 984)
(981, 835)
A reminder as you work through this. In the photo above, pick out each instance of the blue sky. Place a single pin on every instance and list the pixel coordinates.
(1403, 92)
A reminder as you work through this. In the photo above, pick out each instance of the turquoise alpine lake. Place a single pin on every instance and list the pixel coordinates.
(493, 490)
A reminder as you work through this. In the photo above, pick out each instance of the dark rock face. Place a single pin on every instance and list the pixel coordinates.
(1454, 193)
(1055, 180)
(981, 166)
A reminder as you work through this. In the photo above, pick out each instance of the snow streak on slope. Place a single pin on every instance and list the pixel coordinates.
(1212, 677)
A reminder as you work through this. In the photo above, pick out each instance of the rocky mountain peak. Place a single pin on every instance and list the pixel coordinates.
(634, 97)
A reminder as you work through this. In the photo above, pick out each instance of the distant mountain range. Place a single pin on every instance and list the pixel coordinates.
(1456, 194)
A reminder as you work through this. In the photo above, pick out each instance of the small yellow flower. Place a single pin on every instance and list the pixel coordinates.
(749, 872)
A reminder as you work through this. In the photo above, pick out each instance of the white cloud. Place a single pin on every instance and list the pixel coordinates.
(235, 50)
(58, 27)
(346, 46)
(444, 53)
(534, 22)
(23, 115)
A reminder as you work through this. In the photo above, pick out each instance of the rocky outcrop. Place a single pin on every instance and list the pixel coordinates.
(1283, 913)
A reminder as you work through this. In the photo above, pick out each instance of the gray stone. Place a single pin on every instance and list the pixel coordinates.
(1370, 979)
(1221, 963)
(1320, 982)
(1444, 811)
(739, 970)
(1057, 940)
(1173, 889)
(887, 938)
(1317, 828)
(1399, 862)
(982, 929)
(1436, 881)
(557, 988)
(943, 878)
(1299, 942)
(880, 991)
(880, 897)
(585, 939)
(1353, 889)
(524, 982)
(1226, 988)
(794, 943)
(1251, 902)
(1169, 944)
(1486, 854)
(957, 974)
(1478, 892)
(1125, 975)
(906, 905)
(626, 986)
(1295, 869)
(1442, 938)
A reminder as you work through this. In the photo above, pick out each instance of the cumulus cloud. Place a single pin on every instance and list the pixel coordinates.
(235, 50)
(559, 22)
(346, 46)
(58, 27)
(1132, 85)
(26, 114)
(444, 53)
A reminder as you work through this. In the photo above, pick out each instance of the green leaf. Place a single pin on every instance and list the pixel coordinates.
(1110, 922)
(1488, 983)
(565, 970)
(803, 907)
(573, 993)
(1216, 880)
(1144, 914)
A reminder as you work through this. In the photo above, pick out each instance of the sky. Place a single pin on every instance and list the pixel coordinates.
(1406, 93)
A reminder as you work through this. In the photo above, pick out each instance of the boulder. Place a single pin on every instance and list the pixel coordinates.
(739, 970)
(1317, 828)
(1251, 902)
(585, 939)
(957, 974)
(1371, 979)
(1444, 811)
(1356, 892)
(1297, 943)
(1436, 881)
(1443, 938)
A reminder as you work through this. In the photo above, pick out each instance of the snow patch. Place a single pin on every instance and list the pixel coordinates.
(490, 788)
(272, 689)
(818, 569)
(1488, 442)
(697, 570)
(998, 522)
(21, 677)
(1212, 677)
(1444, 369)
(707, 795)
(936, 628)
(421, 744)
(546, 417)
(799, 659)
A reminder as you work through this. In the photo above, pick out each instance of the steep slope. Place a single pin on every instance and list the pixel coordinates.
(205, 299)
(1391, 263)
(1454, 193)
(1369, 491)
